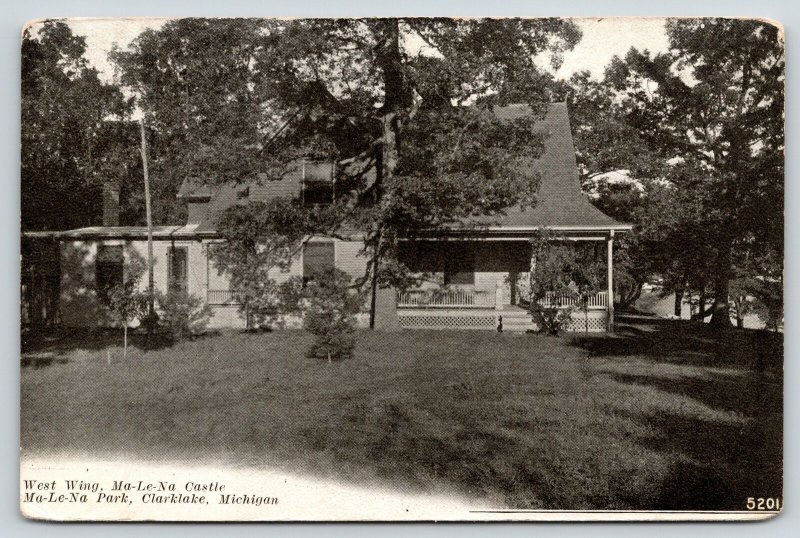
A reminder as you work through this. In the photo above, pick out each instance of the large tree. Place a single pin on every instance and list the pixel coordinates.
(386, 99)
(710, 112)
(73, 139)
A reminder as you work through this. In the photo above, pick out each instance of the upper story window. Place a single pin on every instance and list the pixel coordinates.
(318, 182)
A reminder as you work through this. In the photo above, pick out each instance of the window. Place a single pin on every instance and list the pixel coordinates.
(318, 257)
(177, 269)
(318, 182)
(459, 266)
(108, 269)
(317, 193)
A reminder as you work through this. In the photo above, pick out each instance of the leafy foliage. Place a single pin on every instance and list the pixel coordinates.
(183, 315)
(126, 303)
(699, 130)
(561, 278)
(261, 238)
(328, 304)
(232, 99)
(73, 136)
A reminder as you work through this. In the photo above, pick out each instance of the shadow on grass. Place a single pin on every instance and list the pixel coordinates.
(44, 347)
(686, 342)
(716, 464)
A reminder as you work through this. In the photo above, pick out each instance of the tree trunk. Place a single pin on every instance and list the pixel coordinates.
(701, 305)
(390, 61)
(720, 310)
(125, 342)
(678, 303)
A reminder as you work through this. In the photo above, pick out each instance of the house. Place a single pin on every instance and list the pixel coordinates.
(482, 268)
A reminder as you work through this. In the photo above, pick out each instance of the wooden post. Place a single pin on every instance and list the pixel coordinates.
(611, 282)
(149, 216)
(148, 213)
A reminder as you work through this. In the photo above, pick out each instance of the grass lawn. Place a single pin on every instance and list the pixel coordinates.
(661, 415)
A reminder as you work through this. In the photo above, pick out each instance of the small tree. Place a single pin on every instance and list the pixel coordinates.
(126, 303)
(329, 305)
(561, 278)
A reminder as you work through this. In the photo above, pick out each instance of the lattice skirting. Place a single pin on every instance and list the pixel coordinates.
(447, 321)
(597, 322)
(488, 320)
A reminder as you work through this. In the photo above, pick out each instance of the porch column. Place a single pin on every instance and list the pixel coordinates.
(610, 282)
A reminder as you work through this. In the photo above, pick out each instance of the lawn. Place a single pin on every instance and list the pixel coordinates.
(661, 415)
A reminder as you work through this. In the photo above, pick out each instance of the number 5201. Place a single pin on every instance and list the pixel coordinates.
(763, 503)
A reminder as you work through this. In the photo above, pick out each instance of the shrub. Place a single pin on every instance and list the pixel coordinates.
(561, 279)
(183, 315)
(552, 320)
(330, 305)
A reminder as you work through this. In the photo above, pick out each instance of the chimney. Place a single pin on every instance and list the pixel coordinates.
(110, 204)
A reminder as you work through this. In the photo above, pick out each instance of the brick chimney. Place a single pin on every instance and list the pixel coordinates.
(110, 204)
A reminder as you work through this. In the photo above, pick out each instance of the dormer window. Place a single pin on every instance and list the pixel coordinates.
(318, 183)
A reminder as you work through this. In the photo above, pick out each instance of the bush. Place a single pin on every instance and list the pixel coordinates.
(330, 305)
(551, 320)
(183, 315)
(560, 273)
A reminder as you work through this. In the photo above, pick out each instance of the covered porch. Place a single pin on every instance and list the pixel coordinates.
(484, 283)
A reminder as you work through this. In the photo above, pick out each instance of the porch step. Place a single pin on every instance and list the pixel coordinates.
(517, 321)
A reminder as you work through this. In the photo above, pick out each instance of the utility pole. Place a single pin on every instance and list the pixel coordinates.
(150, 286)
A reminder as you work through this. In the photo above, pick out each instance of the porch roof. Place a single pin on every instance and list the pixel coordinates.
(128, 232)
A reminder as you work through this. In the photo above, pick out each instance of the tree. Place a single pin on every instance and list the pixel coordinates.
(126, 303)
(195, 81)
(562, 277)
(385, 99)
(259, 239)
(73, 139)
(329, 304)
(717, 96)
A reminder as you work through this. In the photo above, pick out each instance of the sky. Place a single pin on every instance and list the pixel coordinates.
(603, 38)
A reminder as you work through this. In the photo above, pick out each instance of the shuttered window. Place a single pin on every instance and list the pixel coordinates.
(318, 257)
(178, 269)
(108, 269)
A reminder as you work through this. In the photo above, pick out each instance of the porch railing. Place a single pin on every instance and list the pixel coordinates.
(224, 297)
(596, 301)
(446, 299)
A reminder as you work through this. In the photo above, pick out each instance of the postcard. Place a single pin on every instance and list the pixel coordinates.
(402, 269)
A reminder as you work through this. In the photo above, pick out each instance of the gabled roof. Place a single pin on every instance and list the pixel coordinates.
(560, 202)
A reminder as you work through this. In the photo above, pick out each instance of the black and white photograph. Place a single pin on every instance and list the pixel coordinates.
(402, 269)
